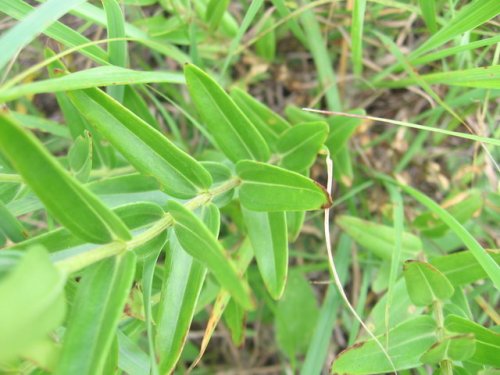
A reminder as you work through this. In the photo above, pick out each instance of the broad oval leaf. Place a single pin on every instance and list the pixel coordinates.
(197, 240)
(66, 199)
(95, 314)
(265, 187)
(268, 234)
(145, 147)
(299, 145)
(379, 239)
(425, 284)
(406, 344)
(182, 282)
(233, 132)
(33, 304)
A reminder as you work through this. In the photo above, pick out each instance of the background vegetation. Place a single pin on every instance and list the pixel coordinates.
(162, 191)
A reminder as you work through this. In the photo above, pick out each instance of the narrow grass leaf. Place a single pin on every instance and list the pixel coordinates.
(215, 11)
(358, 16)
(407, 342)
(379, 239)
(425, 283)
(146, 148)
(197, 240)
(94, 77)
(469, 17)
(95, 315)
(265, 46)
(234, 134)
(268, 188)
(117, 50)
(268, 234)
(182, 282)
(33, 24)
(18, 9)
(299, 145)
(428, 10)
(10, 226)
(32, 295)
(70, 202)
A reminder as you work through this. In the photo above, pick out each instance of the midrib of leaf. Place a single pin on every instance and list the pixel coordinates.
(233, 130)
(311, 136)
(247, 182)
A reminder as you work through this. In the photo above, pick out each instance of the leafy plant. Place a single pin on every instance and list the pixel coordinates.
(146, 193)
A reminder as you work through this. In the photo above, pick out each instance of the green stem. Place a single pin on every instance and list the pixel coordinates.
(445, 364)
(111, 249)
(10, 177)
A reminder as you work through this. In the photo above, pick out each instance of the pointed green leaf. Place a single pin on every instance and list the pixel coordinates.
(33, 304)
(234, 134)
(234, 318)
(146, 148)
(265, 46)
(10, 226)
(196, 239)
(425, 283)
(300, 144)
(95, 315)
(268, 234)
(379, 239)
(182, 283)
(215, 11)
(407, 342)
(268, 188)
(294, 222)
(70, 202)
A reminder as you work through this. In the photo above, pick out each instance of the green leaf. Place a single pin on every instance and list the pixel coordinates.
(425, 283)
(296, 315)
(197, 240)
(234, 317)
(94, 77)
(294, 222)
(80, 157)
(10, 226)
(469, 17)
(18, 9)
(265, 187)
(487, 340)
(454, 348)
(215, 11)
(117, 50)
(269, 124)
(33, 304)
(265, 46)
(234, 134)
(341, 130)
(182, 283)
(462, 268)
(379, 239)
(299, 145)
(17, 37)
(268, 234)
(95, 315)
(407, 342)
(146, 148)
(70, 202)
(428, 8)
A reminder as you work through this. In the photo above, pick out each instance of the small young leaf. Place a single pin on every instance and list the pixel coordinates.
(70, 202)
(80, 157)
(234, 134)
(94, 318)
(299, 145)
(425, 283)
(294, 222)
(234, 317)
(215, 11)
(33, 304)
(407, 342)
(265, 46)
(268, 188)
(268, 234)
(196, 239)
(377, 238)
(487, 340)
(146, 148)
